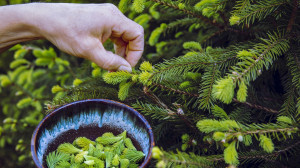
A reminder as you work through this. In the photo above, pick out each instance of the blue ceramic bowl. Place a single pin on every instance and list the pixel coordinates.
(90, 118)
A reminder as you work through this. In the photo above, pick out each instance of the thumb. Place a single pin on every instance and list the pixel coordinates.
(108, 60)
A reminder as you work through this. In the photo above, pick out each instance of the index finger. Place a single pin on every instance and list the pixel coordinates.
(132, 33)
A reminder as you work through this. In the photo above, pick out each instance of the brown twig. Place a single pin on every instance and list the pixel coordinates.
(293, 16)
(223, 18)
(170, 112)
(288, 148)
(134, 98)
(264, 131)
(157, 100)
(263, 156)
(186, 120)
(175, 90)
(234, 99)
(213, 35)
(71, 72)
(257, 106)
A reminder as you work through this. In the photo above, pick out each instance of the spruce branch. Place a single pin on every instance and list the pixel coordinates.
(293, 64)
(185, 162)
(180, 65)
(135, 98)
(284, 150)
(240, 5)
(86, 90)
(289, 104)
(245, 156)
(178, 114)
(270, 110)
(157, 100)
(204, 19)
(162, 70)
(175, 67)
(264, 131)
(291, 83)
(189, 12)
(182, 22)
(183, 159)
(275, 46)
(259, 10)
(257, 154)
(175, 90)
(296, 60)
(268, 156)
(205, 98)
(255, 106)
(154, 111)
(214, 34)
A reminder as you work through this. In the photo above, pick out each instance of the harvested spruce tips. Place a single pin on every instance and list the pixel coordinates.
(106, 151)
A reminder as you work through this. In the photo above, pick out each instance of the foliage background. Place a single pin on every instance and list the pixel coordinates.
(205, 94)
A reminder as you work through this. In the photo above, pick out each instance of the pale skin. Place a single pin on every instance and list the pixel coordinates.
(77, 29)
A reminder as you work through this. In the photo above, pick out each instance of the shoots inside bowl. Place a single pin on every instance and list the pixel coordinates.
(90, 119)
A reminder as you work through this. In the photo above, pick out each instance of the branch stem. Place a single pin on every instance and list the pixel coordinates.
(293, 16)
(270, 110)
(170, 112)
(264, 131)
(257, 106)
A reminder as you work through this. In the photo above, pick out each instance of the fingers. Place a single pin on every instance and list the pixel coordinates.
(132, 33)
(127, 35)
(119, 46)
(135, 50)
(108, 60)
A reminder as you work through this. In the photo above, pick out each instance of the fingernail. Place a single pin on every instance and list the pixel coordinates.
(125, 68)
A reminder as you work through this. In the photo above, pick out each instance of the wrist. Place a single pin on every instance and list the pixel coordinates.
(40, 18)
(17, 25)
(30, 17)
(48, 20)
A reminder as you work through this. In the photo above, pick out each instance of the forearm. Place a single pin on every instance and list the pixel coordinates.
(17, 25)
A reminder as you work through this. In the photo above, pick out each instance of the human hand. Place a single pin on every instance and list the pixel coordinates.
(81, 30)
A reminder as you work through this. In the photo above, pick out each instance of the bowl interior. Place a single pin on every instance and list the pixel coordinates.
(90, 118)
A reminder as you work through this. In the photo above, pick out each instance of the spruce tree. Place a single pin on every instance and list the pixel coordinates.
(219, 82)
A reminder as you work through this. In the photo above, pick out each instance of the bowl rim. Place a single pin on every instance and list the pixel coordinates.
(119, 104)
